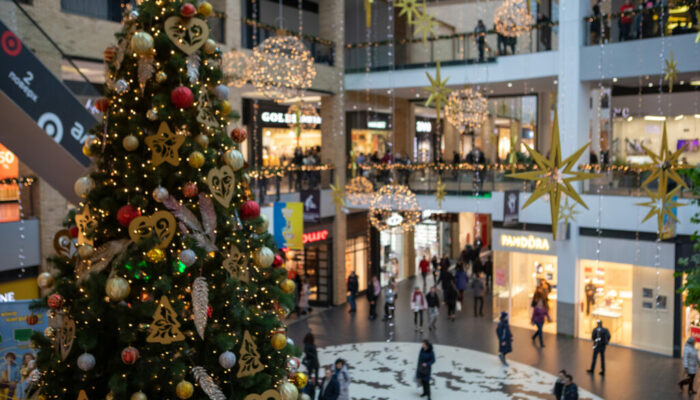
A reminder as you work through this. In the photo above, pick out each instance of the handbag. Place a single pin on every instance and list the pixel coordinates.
(459, 306)
(423, 370)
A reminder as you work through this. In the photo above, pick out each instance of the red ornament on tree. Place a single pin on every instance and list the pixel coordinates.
(109, 54)
(182, 97)
(187, 10)
(249, 210)
(32, 319)
(190, 189)
(278, 261)
(126, 214)
(55, 301)
(210, 311)
(102, 104)
(130, 355)
(73, 231)
(238, 135)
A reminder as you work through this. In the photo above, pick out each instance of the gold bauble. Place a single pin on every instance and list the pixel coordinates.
(161, 76)
(196, 159)
(110, 396)
(142, 43)
(86, 251)
(87, 151)
(138, 396)
(152, 114)
(83, 186)
(209, 46)
(263, 225)
(202, 140)
(278, 341)
(287, 286)
(184, 390)
(264, 257)
(44, 280)
(300, 380)
(205, 9)
(234, 159)
(117, 288)
(155, 255)
(226, 107)
(49, 332)
(130, 143)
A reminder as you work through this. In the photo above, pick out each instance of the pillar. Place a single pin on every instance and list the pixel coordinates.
(543, 136)
(451, 139)
(404, 121)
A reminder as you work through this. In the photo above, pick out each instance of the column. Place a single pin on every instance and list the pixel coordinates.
(451, 139)
(332, 27)
(404, 121)
(572, 103)
(543, 136)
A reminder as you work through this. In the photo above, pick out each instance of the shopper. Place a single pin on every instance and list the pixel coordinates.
(341, 371)
(478, 289)
(451, 301)
(304, 296)
(488, 271)
(626, 10)
(690, 365)
(480, 34)
(539, 313)
(559, 384)
(436, 269)
(445, 263)
(330, 387)
(353, 288)
(424, 266)
(373, 292)
(461, 280)
(310, 359)
(433, 301)
(595, 23)
(505, 338)
(570, 390)
(445, 280)
(390, 299)
(601, 338)
(418, 304)
(426, 358)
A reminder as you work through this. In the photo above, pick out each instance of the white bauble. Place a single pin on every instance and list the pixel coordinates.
(142, 43)
(160, 194)
(263, 225)
(264, 257)
(290, 341)
(227, 360)
(305, 396)
(86, 362)
(234, 159)
(221, 92)
(288, 391)
(83, 186)
(188, 257)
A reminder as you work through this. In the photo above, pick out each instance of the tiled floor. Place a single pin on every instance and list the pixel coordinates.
(630, 374)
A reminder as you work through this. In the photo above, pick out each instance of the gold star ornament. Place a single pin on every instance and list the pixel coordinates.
(164, 146)
(424, 24)
(409, 8)
(671, 72)
(554, 176)
(438, 91)
(338, 194)
(368, 13)
(440, 192)
(567, 212)
(664, 165)
(661, 203)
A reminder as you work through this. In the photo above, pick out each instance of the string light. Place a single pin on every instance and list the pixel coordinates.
(394, 206)
(466, 109)
(512, 18)
(359, 190)
(235, 66)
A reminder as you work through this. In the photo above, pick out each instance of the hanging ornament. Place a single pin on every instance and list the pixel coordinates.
(86, 362)
(165, 328)
(227, 360)
(145, 70)
(671, 72)
(188, 257)
(235, 67)
(424, 24)
(55, 301)
(440, 192)
(86, 251)
(248, 358)
(277, 262)
(205, 9)
(32, 319)
(288, 391)
(438, 91)
(182, 97)
(120, 86)
(264, 257)
(161, 76)
(49, 332)
(155, 255)
(394, 206)
(187, 35)
(207, 384)
(130, 355)
(73, 231)
(152, 114)
(187, 10)
(409, 8)
(202, 140)
(512, 18)
(234, 159)
(109, 53)
(161, 223)
(126, 214)
(238, 135)
(102, 104)
(209, 46)
(117, 288)
(200, 303)
(142, 43)
(221, 182)
(249, 210)
(45, 280)
(164, 146)
(160, 193)
(269, 394)
(205, 114)
(83, 186)
(263, 225)
(466, 109)
(278, 341)
(130, 143)
(305, 116)
(138, 396)
(299, 379)
(293, 364)
(287, 286)
(235, 265)
(196, 159)
(184, 390)
(359, 190)
(190, 189)
(225, 107)
(221, 92)
(86, 224)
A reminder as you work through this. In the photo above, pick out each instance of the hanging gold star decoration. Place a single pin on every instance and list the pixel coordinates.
(671, 72)
(438, 91)
(368, 13)
(567, 212)
(164, 146)
(338, 194)
(408, 8)
(661, 204)
(697, 38)
(440, 192)
(554, 176)
(424, 24)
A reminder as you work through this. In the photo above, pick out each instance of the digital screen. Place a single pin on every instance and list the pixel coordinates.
(691, 145)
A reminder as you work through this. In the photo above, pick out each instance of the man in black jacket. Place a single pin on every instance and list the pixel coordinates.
(330, 387)
(601, 338)
(353, 288)
(433, 304)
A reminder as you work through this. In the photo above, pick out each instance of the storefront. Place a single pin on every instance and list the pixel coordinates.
(433, 235)
(426, 129)
(315, 262)
(357, 248)
(514, 124)
(525, 262)
(368, 133)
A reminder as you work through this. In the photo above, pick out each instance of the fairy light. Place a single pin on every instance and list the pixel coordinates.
(512, 18)
(394, 206)
(235, 66)
(282, 68)
(466, 109)
(359, 190)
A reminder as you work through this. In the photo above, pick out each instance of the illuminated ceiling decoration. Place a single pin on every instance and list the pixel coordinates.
(235, 66)
(438, 91)
(671, 72)
(359, 190)
(554, 176)
(306, 115)
(394, 206)
(512, 18)
(281, 67)
(466, 109)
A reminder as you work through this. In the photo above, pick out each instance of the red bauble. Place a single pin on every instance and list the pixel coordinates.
(249, 210)
(190, 189)
(130, 355)
(187, 10)
(277, 261)
(102, 104)
(109, 54)
(32, 319)
(238, 135)
(210, 311)
(126, 214)
(73, 231)
(182, 97)
(55, 301)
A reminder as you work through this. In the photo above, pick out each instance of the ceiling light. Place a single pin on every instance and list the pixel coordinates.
(556, 81)
(678, 117)
(630, 118)
(654, 118)
(614, 79)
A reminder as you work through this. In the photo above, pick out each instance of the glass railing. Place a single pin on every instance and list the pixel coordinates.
(255, 32)
(641, 23)
(270, 183)
(459, 48)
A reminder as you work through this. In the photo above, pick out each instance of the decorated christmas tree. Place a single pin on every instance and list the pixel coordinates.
(166, 284)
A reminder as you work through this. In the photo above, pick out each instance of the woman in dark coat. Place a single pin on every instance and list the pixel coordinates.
(426, 358)
(311, 357)
(505, 338)
(451, 300)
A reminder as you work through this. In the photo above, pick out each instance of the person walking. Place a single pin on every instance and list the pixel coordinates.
(310, 359)
(601, 338)
(570, 391)
(478, 289)
(539, 313)
(304, 296)
(330, 387)
(461, 280)
(341, 371)
(418, 304)
(426, 358)
(445, 279)
(451, 300)
(445, 263)
(559, 384)
(390, 299)
(505, 338)
(436, 268)
(690, 365)
(353, 288)
(373, 292)
(480, 34)
(433, 301)
(424, 266)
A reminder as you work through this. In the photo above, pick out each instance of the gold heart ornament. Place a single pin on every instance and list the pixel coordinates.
(187, 34)
(221, 182)
(65, 246)
(86, 226)
(269, 394)
(162, 224)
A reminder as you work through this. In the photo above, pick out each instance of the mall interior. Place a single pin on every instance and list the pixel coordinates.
(619, 82)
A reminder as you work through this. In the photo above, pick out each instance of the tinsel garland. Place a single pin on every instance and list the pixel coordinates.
(207, 384)
(200, 304)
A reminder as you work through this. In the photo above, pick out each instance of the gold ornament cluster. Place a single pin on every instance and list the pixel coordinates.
(466, 109)
(512, 18)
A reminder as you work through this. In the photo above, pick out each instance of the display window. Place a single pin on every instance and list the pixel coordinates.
(369, 141)
(519, 281)
(314, 265)
(356, 254)
(632, 134)
(635, 303)
(279, 144)
(514, 124)
(9, 193)
(392, 256)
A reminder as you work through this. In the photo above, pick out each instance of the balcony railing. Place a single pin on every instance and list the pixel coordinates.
(459, 48)
(641, 23)
(269, 183)
(321, 50)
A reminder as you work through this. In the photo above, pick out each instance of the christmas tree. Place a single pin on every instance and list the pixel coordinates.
(165, 284)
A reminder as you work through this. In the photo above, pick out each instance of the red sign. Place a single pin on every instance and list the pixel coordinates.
(695, 332)
(315, 236)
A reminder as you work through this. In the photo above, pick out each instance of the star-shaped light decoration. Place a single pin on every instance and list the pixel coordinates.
(438, 91)
(164, 146)
(664, 165)
(554, 176)
(661, 204)
(338, 194)
(440, 192)
(671, 72)
(425, 24)
(368, 13)
(567, 212)
(408, 8)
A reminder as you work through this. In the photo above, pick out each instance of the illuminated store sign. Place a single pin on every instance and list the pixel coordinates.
(376, 124)
(315, 236)
(394, 220)
(424, 126)
(282, 118)
(528, 242)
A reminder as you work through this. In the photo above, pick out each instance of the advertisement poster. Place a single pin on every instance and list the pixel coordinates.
(312, 205)
(289, 225)
(510, 207)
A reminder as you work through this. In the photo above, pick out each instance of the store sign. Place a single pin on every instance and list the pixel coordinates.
(376, 124)
(312, 205)
(272, 117)
(527, 242)
(511, 207)
(317, 236)
(621, 112)
(289, 225)
(395, 219)
(424, 126)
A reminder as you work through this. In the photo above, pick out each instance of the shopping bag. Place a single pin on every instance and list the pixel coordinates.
(459, 306)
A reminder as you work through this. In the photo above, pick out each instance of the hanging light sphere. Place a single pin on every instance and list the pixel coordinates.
(394, 206)
(306, 113)
(281, 67)
(512, 18)
(466, 109)
(359, 190)
(235, 65)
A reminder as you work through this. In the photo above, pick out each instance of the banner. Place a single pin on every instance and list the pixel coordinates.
(312, 205)
(289, 225)
(14, 340)
(511, 208)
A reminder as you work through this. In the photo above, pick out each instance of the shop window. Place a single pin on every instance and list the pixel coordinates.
(9, 193)
(368, 142)
(314, 264)
(279, 144)
(356, 254)
(103, 9)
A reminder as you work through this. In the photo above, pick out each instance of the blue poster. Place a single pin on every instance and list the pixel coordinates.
(289, 225)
